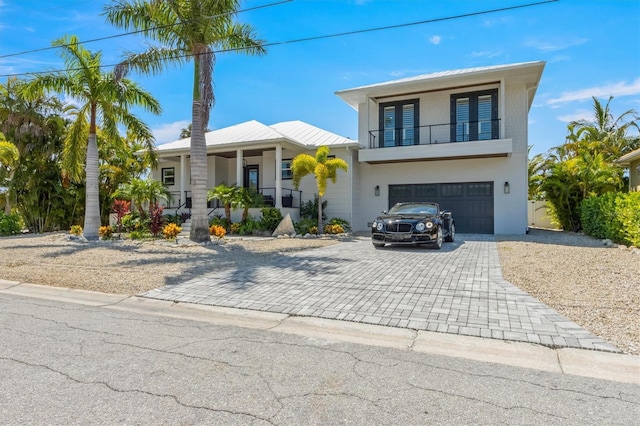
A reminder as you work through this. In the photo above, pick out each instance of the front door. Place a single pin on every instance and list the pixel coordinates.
(251, 177)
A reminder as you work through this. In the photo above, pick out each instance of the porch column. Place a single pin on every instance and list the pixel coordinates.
(239, 170)
(278, 176)
(183, 179)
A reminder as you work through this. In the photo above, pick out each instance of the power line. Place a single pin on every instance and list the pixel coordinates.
(326, 36)
(93, 40)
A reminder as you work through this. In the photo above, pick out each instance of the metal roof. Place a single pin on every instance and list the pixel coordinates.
(532, 70)
(309, 135)
(253, 132)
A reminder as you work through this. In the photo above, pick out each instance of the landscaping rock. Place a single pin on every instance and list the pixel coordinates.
(285, 227)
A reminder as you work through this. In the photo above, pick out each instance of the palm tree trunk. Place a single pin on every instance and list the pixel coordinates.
(92, 200)
(320, 227)
(199, 219)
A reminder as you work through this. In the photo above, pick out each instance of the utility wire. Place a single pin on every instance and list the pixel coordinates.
(42, 49)
(277, 43)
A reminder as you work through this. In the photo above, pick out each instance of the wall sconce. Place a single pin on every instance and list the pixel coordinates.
(376, 191)
(244, 163)
(507, 188)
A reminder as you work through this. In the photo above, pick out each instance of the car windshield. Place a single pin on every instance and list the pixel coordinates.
(414, 208)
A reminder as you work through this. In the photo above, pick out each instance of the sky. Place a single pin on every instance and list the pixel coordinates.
(591, 48)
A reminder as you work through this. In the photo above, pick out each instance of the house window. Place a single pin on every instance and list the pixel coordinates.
(399, 123)
(474, 116)
(169, 176)
(287, 173)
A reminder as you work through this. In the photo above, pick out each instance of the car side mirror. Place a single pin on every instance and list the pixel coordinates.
(383, 212)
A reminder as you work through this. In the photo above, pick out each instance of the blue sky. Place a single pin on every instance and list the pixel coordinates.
(592, 48)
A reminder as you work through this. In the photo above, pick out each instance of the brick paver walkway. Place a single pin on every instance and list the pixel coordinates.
(458, 290)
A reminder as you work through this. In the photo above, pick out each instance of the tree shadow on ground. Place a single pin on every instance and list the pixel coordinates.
(554, 237)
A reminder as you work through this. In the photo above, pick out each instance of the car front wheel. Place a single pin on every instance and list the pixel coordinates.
(378, 245)
(437, 244)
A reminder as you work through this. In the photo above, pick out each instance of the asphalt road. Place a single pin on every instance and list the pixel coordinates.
(63, 363)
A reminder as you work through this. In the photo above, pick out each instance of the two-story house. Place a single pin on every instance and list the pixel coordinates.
(456, 137)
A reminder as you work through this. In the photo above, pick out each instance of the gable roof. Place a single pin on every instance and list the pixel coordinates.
(528, 72)
(626, 159)
(253, 132)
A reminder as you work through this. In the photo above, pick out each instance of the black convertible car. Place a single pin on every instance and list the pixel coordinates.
(413, 223)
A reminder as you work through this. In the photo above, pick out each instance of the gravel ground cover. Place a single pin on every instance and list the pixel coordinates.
(595, 286)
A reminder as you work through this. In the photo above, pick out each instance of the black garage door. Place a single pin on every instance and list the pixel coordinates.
(471, 203)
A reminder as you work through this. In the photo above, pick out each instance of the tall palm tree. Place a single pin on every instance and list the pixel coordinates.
(322, 167)
(99, 96)
(187, 30)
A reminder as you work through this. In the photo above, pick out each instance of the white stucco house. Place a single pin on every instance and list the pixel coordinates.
(455, 137)
(631, 161)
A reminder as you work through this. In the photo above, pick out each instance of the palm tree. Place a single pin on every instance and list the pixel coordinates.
(8, 161)
(229, 196)
(188, 30)
(605, 134)
(100, 96)
(322, 167)
(143, 191)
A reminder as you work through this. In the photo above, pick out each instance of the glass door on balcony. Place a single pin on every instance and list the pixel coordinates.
(399, 123)
(474, 116)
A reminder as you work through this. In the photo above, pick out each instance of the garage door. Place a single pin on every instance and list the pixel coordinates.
(471, 203)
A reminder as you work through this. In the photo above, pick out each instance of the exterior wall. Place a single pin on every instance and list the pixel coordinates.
(510, 210)
(508, 218)
(634, 175)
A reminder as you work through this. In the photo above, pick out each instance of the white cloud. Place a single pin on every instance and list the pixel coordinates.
(435, 39)
(614, 89)
(554, 45)
(169, 132)
(485, 54)
(581, 114)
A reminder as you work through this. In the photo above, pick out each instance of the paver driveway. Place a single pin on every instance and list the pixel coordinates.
(459, 289)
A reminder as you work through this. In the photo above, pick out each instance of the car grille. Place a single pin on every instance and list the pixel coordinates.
(399, 227)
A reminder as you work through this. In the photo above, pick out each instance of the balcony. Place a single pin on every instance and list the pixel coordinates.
(479, 139)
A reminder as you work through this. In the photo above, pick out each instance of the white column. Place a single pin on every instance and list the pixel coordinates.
(183, 179)
(239, 169)
(279, 176)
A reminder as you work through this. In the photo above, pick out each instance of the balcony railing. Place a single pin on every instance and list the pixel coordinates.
(435, 134)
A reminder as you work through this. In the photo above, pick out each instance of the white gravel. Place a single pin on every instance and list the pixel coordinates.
(597, 287)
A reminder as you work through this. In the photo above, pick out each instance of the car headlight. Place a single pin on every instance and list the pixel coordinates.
(429, 225)
(420, 227)
(379, 226)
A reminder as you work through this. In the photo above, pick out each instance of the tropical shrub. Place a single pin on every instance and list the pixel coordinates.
(220, 221)
(120, 208)
(304, 226)
(342, 222)
(10, 224)
(249, 226)
(333, 229)
(235, 228)
(313, 230)
(140, 234)
(76, 230)
(156, 219)
(171, 231)
(271, 218)
(134, 221)
(105, 232)
(615, 216)
(217, 231)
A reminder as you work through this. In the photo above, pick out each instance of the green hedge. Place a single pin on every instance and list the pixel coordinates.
(10, 224)
(614, 215)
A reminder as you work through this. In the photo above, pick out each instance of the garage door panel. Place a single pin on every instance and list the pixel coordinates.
(470, 202)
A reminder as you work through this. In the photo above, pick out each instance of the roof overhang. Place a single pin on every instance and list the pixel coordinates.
(527, 73)
(625, 160)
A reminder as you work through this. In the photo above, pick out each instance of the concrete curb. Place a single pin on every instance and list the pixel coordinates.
(578, 362)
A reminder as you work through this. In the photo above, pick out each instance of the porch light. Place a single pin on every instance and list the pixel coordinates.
(376, 191)
(244, 163)
(507, 188)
